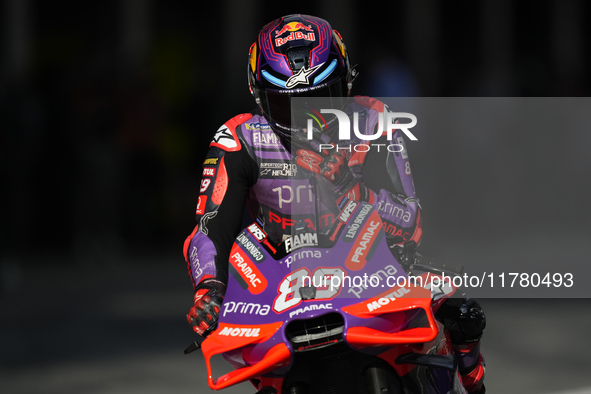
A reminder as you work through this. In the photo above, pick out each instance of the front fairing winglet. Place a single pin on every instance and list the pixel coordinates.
(230, 337)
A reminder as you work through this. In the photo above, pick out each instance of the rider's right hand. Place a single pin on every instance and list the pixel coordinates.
(209, 296)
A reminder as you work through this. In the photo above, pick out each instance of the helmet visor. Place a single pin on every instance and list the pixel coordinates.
(276, 104)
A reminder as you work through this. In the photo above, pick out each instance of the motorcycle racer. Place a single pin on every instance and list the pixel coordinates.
(263, 160)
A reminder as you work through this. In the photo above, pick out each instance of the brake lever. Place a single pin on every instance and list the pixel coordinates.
(192, 347)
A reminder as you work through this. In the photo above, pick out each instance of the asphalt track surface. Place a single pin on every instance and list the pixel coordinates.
(115, 328)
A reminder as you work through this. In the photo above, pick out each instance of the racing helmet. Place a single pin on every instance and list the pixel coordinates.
(297, 56)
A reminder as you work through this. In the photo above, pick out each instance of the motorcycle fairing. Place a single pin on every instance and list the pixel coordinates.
(261, 348)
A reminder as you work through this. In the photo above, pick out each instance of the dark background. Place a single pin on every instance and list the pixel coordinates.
(106, 112)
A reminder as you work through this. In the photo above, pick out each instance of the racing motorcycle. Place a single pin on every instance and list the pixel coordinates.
(332, 311)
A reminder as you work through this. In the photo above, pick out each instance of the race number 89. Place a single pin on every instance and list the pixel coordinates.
(321, 278)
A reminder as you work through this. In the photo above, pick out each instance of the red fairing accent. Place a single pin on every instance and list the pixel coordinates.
(418, 230)
(436, 304)
(229, 337)
(257, 283)
(228, 139)
(221, 184)
(370, 103)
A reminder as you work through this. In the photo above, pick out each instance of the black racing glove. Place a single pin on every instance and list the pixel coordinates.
(209, 296)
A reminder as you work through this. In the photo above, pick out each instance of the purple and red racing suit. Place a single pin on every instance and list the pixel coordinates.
(248, 163)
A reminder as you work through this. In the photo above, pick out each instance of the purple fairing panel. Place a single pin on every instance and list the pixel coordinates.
(201, 255)
(280, 301)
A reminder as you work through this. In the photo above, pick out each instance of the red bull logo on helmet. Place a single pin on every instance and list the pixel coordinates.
(293, 26)
(295, 34)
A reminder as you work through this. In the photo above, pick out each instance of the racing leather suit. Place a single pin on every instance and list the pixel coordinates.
(249, 164)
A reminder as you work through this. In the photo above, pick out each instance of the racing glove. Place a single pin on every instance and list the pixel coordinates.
(209, 296)
(331, 166)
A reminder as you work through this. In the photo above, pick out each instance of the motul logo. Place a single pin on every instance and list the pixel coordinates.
(387, 299)
(240, 332)
(208, 171)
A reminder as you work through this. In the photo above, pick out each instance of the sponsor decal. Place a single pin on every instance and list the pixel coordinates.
(256, 232)
(247, 270)
(194, 258)
(279, 169)
(344, 217)
(308, 308)
(394, 210)
(394, 231)
(363, 248)
(209, 171)
(204, 219)
(302, 77)
(261, 236)
(367, 237)
(201, 205)
(252, 249)
(257, 126)
(391, 297)
(292, 26)
(300, 240)
(265, 139)
(212, 161)
(288, 197)
(395, 298)
(304, 254)
(295, 33)
(298, 35)
(240, 332)
(277, 165)
(225, 138)
(204, 185)
(351, 232)
(382, 275)
(290, 172)
(285, 222)
(246, 308)
(347, 211)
